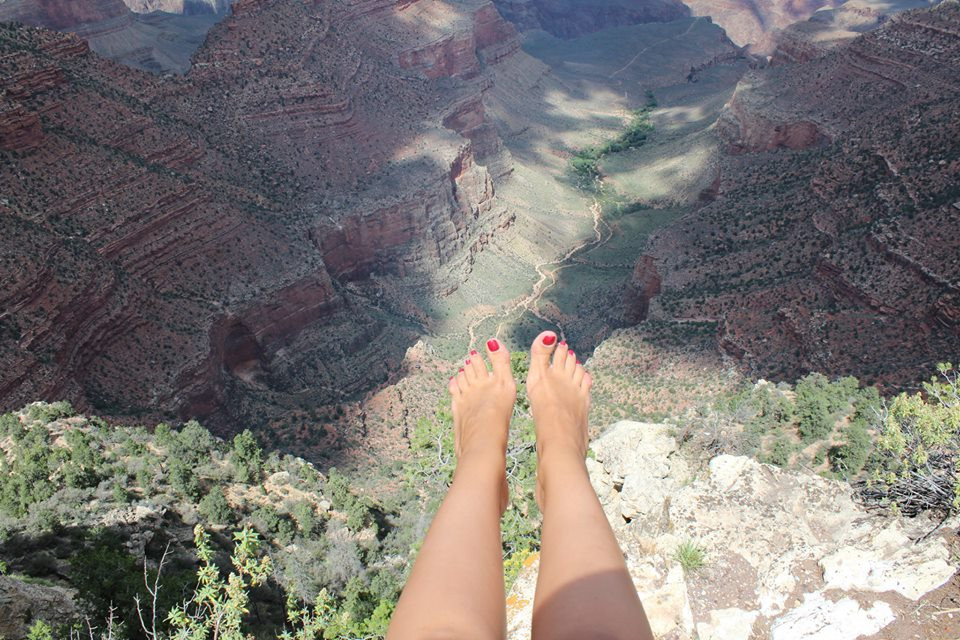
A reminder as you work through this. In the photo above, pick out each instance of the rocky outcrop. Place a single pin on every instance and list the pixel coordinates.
(644, 285)
(185, 7)
(23, 602)
(756, 25)
(157, 43)
(19, 130)
(787, 554)
(831, 235)
(572, 18)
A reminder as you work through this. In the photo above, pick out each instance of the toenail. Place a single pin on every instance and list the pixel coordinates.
(549, 340)
(468, 361)
(571, 353)
(473, 352)
(578, 362)
(493, 345)
(563, 343)
(461, 369)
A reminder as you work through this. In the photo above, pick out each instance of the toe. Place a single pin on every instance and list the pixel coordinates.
(453, 387)
(587, 382)
(475, 366)
(540, 351)
(463, 381)
(560, 356)
(578, 374)
(570, 364)
(499, 358)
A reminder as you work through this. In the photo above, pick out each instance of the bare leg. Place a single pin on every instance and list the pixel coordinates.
(456, 587)
(584, 589)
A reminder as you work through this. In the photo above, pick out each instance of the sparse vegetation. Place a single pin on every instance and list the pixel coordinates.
(690, 555)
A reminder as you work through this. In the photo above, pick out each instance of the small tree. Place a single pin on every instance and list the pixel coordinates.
(246, 458)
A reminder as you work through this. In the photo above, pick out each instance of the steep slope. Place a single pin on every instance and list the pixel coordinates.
(755, 24)
(172, 250)
(186, 7)
(572, 18)
(156, 43)
(832, 242)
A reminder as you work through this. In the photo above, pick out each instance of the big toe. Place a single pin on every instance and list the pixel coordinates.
(499, 358)
(543, 345)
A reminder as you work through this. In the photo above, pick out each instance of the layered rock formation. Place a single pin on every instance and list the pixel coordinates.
(788, 555)
(184, 245)
(755, 24)
(185, 7)
(572, 18)
(156, 43)
(831, 244)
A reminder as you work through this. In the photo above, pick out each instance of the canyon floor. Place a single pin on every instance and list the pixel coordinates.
(566, 261)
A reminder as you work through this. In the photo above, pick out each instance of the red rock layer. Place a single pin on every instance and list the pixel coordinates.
(182, 245)
(833, 241)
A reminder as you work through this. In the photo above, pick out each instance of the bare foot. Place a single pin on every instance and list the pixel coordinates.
(482, 405)
(559, 393)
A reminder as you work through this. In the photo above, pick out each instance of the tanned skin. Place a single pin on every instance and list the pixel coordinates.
(456, 591)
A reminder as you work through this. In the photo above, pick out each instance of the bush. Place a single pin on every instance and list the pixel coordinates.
(849, 458)
(246, 458)
(48, 412)
(215, 508)
(918, 448)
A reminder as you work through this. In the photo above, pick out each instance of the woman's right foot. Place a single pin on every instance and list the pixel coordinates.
(558, 389)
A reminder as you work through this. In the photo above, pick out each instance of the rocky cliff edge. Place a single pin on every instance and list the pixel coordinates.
(786, 554)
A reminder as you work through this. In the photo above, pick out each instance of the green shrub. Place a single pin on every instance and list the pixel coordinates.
(690, 555)
(48, 412)
(780, 451)
(918, 448)
(246, 458)
(849, 457)
(215, 508)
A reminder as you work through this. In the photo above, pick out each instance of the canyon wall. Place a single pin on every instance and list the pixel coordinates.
(831, 242)
(157, 43)
(572, 18)
(214, 245)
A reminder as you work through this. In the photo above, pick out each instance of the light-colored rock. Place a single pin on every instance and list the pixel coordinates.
(768, 533)
(727, 624)
(887, 560)
(640, 458)
(667, 605)
(819, 618)
(21, 603)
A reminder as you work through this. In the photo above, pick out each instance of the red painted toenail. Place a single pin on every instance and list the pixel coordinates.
(473, 352)
(563, 343)
(549, 340)
(468, 361)
(570, 352)
(461, 369)
(578, 362)
(493, 345)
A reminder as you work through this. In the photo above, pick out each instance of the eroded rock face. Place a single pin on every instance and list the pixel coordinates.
(572, 18)
(185, 7)
(178, 243)
(756, 24)
(157, 43)
(21, 601)
(786, 552)
(831, 234)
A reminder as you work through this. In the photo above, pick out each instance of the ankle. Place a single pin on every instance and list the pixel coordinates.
(559, 462)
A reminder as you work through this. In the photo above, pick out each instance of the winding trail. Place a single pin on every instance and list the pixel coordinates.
(547, 279)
